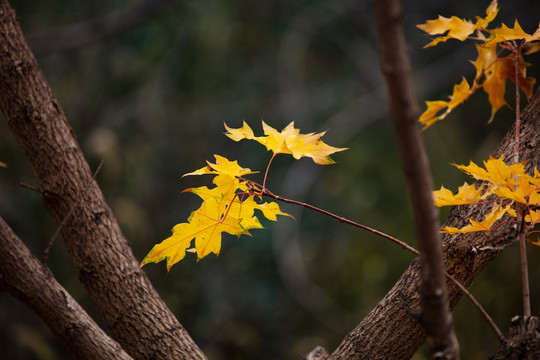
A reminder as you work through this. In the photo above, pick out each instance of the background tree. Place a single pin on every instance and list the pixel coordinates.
(173, 78)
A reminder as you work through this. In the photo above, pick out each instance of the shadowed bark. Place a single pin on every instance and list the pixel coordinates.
(24, 277)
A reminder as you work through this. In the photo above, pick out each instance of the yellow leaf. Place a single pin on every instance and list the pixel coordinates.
(496, 171)
(222, 166)
(496, 213)
(462, 91)
(495, 82)
(534, 242)
(491, 13)
(244, 132)
(288, 141)
(533, 217)
(173, 249)
(467, 194)
(457, 28)
(504, 33)
(270, 210)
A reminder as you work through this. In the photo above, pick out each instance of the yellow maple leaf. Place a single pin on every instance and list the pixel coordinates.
(504, 33)
(467, 194)
(533, 217)
(496, 213)
(496, 171)
(456, 28)
(462, 91)
(222, 166)
(492, 71)
(288, 141)
(228, 207)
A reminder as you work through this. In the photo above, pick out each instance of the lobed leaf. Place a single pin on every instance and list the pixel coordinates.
(462, 91)
(288, 141)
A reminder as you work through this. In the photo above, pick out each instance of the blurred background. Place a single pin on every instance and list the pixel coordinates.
(147, 86)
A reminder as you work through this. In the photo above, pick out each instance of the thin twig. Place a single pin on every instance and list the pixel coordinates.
(68, 215)
(404, 245)
(479, 307)
(31, 187)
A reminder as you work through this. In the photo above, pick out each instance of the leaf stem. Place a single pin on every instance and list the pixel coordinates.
(266, 172)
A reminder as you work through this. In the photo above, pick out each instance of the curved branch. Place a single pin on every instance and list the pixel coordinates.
(138, 319)
(27, 279)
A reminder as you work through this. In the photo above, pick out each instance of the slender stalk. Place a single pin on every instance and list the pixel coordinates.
(342, 219)
(266, 172)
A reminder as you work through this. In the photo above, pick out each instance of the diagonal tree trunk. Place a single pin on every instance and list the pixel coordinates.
(24, 277)
(136, 316)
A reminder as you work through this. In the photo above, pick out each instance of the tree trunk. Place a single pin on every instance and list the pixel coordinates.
(138, 319)
(24, 277)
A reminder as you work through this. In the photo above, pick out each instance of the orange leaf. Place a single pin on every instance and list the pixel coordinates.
(457, 28)
(462, 91)
(504, 33)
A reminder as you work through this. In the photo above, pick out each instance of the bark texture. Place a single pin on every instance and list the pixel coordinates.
(391, 330)
(524, 342)
(27, 279)
(436, 318)
(138, 319)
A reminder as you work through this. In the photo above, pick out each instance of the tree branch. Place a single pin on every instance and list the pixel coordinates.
(435, 317)
(27, 279)
(391, 330)
(138, 319)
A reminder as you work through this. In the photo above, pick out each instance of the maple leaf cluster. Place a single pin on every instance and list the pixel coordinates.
(288, 141)
(229, 206)
(493, 65)
(513, 188)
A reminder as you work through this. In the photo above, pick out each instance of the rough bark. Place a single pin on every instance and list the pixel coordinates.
(391, 330)
(435, 318)
(137, 318)
(27, 279)
(524, 341)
